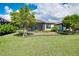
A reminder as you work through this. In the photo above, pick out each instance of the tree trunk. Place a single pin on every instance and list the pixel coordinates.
(24, 32)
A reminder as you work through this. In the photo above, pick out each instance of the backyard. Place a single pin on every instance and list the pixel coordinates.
(40, 45)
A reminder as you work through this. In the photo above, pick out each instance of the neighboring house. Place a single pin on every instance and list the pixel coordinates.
(47, 25)
(3, 21)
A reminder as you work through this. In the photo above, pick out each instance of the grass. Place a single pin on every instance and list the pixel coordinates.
(57, 45)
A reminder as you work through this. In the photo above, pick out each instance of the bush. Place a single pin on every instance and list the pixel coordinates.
(65, 32)
(36, 30)
(6, 29)
(46, 31)
(21, 32)
(54, 29)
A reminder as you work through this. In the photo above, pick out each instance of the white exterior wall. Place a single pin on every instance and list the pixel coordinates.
(48, 28)
(52, 25)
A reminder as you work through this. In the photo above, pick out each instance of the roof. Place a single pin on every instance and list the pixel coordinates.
(49, 22)
(3, 20)
(6, 17)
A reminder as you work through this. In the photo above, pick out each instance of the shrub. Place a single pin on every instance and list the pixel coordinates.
(21, 32)
(36, 30)
(65, 32)
(6, 29)
(54, 29)
(46, 31)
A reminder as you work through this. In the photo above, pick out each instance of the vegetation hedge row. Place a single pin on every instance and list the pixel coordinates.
(7, 29)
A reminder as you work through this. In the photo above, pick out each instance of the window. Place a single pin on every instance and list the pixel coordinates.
(48, 26)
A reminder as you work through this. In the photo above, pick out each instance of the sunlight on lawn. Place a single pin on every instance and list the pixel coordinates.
(39, 45)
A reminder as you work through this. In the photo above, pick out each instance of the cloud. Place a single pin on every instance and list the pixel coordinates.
(8, 9)
(46, 11)
(6, 16)
(50, 11)
(17, 10)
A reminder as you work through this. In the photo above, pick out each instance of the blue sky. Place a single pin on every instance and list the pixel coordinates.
(14, 6)
(43, 11)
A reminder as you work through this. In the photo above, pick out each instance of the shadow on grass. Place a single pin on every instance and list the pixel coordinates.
(21, 35)
(5, 34)
(33, 35)
(46, 35)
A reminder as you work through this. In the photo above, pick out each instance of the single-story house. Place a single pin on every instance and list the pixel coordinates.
(47, 25)
(41, 24)
(3, 21)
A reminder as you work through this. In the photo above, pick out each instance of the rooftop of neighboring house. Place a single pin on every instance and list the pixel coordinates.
(6, 17)
(2, 20)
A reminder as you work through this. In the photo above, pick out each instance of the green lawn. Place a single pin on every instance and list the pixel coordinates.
(40, 45)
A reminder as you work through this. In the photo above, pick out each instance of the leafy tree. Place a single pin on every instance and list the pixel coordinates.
(71, 21)
(25, 18)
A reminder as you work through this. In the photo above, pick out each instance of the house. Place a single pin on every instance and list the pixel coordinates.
(47, 25)
(3, 21)
(41, 24)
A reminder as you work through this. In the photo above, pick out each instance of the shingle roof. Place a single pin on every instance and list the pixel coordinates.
(3, 20)
(45, 21)
(6, 17)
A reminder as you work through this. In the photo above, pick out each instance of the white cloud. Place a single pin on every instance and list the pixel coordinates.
(17, 10)
(8, 9)
(55, 10)
(7, 15)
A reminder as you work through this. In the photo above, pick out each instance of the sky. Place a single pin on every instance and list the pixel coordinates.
(43, 11)
(9, 7)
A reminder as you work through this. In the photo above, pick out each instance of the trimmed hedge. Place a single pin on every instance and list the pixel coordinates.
(7, 29)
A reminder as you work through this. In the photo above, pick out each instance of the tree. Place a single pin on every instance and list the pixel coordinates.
(71, 21)
(24, 18)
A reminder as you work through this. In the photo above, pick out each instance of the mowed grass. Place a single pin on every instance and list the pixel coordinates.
(52, 45)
